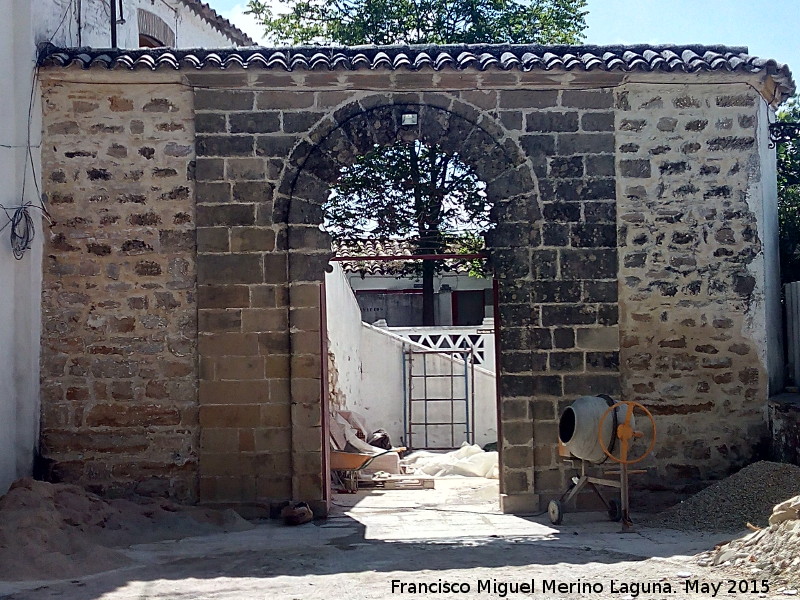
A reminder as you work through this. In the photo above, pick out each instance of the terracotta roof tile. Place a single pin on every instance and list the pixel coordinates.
(627, 59)
(370, 248)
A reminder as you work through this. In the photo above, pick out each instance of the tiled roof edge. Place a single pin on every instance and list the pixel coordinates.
(635, 58)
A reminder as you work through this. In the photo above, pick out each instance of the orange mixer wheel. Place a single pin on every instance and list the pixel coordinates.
(626, 433)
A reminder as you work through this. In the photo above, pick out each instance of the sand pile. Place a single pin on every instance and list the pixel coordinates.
(54, 531)
(773, 552)
(728, 505)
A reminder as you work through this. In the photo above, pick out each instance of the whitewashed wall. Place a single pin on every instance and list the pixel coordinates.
(382, 387)
(376, 356)
(26, 23)
(20, 281)
(58, 19)
(344, 340)
(768, 225)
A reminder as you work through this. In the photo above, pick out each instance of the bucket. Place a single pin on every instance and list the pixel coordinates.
(578, 427)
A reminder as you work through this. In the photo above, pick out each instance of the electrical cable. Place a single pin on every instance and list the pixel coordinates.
(22, 227)
(22, 231)
(20, 221)
(61, 23)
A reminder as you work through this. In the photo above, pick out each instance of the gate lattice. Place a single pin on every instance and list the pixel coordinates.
(439, 398)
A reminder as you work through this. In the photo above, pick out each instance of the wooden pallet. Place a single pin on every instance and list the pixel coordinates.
(399, 482)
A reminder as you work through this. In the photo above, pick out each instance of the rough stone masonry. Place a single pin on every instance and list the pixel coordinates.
(181, 351)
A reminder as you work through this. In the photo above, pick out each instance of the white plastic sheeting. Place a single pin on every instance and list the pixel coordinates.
(467, 461)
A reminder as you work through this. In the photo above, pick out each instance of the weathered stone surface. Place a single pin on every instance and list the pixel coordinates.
(678, 291)
(125, 246)
(624, 249)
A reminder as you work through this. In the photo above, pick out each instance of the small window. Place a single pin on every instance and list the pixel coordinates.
(146, 41)
(154, 31)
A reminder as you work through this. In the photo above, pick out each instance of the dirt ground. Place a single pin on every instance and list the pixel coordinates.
(384, 544)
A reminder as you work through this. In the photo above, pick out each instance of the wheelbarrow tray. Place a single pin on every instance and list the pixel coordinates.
(349, 461)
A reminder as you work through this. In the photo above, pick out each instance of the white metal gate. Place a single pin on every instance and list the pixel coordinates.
(439, 398)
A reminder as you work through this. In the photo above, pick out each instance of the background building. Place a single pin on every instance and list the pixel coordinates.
(26, 24)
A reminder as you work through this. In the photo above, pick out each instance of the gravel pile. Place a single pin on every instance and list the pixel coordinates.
(773, 552)
(728, 505)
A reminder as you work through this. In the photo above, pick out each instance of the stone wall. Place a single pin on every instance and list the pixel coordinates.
(692, 273)
(547, 157)
(558, 316)
(626, 249)
(119, 392)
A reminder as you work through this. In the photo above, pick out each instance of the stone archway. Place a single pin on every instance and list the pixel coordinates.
(196, 176)
(354, 130)
(265, 160)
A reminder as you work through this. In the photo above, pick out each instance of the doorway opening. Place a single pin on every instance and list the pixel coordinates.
(410, 324)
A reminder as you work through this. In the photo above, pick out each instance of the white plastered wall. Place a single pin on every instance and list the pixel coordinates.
(60, 20)
(769, 226)
(369, 371)
(20, 280)
(344, 339)
(27, 23)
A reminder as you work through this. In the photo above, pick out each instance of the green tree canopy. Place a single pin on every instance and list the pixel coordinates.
(354, 22)
(411, 190)
(789, 195)
(407, 190)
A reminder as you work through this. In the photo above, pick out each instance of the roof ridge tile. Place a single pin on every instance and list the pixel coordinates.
(642, 58)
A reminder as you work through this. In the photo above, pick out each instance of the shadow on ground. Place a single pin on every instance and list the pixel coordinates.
(368, 540)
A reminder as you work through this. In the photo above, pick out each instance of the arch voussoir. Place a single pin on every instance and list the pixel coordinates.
(510, 183)
(510, 174)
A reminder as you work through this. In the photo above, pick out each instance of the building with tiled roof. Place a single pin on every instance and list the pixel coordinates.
(633, 60)
(633, 248)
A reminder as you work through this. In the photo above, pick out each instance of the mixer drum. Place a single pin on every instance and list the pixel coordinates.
(578, 427)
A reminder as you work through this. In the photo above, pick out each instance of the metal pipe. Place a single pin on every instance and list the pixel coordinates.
(406, 402)
(78, 9)
(627, 524)
(113, 23)
(425, 394)
(471, 401)
(453, 402)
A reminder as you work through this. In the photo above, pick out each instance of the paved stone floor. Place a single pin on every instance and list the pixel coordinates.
(377, 544)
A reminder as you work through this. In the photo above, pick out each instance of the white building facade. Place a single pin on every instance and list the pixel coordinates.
(26, 24)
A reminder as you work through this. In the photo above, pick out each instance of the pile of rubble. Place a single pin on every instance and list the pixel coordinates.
(55, 531)
(772, 553)
(730, 504)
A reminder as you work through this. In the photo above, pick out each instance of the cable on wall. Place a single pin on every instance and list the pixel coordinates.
(20, 221)
(22, 226)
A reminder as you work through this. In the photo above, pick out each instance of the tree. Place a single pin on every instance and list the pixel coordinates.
(409, 191)
(412, 189)
(353, 22)
(789, 195)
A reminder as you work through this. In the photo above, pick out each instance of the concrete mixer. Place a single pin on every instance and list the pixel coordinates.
(594, 430)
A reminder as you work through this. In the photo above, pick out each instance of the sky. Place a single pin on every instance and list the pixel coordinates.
(769, 29)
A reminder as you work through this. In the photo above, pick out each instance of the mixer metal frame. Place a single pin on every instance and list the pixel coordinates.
(618, 510)
(625, 433)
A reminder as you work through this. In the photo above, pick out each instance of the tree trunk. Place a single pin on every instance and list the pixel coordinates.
(422, 209)
(428, 308)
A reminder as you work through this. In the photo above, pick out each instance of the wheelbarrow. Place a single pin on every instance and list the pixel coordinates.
(346, 466)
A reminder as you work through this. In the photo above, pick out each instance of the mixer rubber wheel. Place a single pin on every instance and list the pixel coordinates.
(614, 510)
(555, 512)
